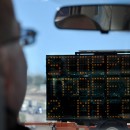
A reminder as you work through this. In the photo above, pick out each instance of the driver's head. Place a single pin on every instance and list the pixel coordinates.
(13, 67)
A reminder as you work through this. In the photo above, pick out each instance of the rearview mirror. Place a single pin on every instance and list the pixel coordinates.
(94, 17)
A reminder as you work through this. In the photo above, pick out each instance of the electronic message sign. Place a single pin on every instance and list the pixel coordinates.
(92, 86)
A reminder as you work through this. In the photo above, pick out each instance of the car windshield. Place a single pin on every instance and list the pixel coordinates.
(53, 41)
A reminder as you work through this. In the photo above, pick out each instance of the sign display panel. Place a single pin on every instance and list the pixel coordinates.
(88, 86)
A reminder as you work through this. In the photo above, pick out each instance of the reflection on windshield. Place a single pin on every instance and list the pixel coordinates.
(99, 17)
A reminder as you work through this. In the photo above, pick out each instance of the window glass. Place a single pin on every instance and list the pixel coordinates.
(32, 14)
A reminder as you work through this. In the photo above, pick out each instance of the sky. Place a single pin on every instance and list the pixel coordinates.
(27, 13)
(39, 15)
